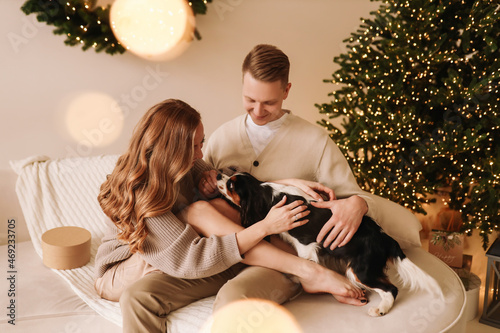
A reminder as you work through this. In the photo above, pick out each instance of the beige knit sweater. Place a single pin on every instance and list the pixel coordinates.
(173, 246)
(302, 150)
(298, 150)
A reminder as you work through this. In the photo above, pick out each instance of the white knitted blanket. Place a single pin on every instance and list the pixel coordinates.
(55, 193)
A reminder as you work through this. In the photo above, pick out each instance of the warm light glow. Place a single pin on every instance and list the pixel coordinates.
(93, 119)
(416, 111)
(153, 29)
(252, 315)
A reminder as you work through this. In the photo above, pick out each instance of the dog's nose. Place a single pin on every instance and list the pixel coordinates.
(219, 176)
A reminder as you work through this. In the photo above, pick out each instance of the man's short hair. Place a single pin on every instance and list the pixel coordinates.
(267, 63)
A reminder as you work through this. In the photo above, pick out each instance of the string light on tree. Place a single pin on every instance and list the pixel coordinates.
(418, 105)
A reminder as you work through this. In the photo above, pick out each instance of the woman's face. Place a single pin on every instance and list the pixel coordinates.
(199, 138)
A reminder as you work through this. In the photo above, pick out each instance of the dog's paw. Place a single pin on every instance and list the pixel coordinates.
(376, 312)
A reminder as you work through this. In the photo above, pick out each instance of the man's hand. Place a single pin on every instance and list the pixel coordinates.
(313, 189)
(346, 218)
(208, 184)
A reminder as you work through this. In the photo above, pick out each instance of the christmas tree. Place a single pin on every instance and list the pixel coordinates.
(418, 99)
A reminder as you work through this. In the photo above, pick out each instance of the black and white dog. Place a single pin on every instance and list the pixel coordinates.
(365, 256)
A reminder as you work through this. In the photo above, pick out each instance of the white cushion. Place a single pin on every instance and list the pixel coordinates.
(397, 221)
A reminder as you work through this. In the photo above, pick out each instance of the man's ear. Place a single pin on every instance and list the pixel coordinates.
(287, 90)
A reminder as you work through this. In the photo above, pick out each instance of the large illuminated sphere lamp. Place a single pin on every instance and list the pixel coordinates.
(156, 30)
(252, 315)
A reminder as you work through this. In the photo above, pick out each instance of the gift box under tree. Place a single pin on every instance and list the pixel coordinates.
(446, 242)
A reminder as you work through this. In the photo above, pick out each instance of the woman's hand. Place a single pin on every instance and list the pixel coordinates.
(313, 189)
(283, 217)
(208, 184)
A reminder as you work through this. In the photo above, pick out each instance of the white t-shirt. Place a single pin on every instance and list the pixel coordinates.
(260, 136)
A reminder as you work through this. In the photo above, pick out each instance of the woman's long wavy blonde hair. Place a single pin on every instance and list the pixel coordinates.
(145, 180)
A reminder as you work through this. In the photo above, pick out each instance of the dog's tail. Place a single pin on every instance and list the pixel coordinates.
(415, 278)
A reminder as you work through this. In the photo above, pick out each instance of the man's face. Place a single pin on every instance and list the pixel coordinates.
(263, 100)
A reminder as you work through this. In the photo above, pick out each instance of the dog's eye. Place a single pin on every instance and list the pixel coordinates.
(230, 185)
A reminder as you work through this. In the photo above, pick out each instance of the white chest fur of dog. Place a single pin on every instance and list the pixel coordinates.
(309, 251)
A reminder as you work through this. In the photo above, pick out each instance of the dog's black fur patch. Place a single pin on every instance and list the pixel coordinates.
(367, 252)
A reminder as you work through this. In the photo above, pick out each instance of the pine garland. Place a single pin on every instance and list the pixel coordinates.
(419, 98)
(84, 25)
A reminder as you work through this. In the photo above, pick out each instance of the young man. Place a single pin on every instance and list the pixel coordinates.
(272, 143)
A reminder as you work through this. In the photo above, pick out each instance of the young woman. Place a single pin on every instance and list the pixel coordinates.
(152, 261)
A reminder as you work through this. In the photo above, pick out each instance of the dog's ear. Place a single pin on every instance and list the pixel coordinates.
(251, 212)
(244, 210)
(257, 205)
(244, 190)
